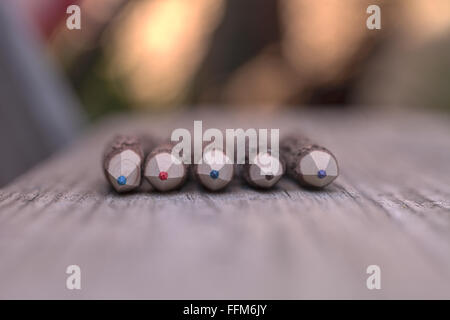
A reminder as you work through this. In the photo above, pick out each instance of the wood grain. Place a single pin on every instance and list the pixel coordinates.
(390, 207)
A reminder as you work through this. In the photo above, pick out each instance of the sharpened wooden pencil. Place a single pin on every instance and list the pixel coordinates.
(164, 170)
(122, 162)
(216, 169)
(310, 164)
(263, 171)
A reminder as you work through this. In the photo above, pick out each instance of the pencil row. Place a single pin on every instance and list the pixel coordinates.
(128, 160)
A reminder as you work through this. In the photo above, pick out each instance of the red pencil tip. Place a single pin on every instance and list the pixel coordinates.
(163, 175)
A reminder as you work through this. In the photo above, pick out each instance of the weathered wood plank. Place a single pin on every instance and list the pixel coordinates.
(390, 207)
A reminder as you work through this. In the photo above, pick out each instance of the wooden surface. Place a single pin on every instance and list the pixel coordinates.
(390, 207)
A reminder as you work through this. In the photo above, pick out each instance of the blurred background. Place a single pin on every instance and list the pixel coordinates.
(170, 55)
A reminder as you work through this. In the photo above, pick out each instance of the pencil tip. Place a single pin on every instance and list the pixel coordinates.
(321, 174)
(163, 175)
(214, 174)
(122, 180)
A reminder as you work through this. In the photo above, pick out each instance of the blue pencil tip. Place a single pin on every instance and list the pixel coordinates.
(121, 180)
(321, 174)
(214, 174)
